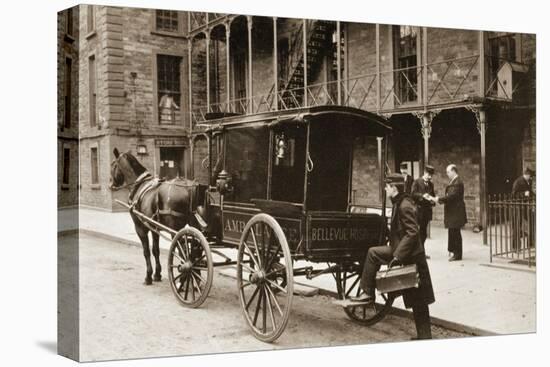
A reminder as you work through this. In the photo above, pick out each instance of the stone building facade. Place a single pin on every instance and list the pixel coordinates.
(67, 107)
(451, 96)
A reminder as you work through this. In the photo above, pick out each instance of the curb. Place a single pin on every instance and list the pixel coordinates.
(450, 325)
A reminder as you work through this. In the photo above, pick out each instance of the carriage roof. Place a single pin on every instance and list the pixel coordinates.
(367, 122)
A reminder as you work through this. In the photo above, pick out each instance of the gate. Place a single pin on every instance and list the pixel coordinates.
(512, 229)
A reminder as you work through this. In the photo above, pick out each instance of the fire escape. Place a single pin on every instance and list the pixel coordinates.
(291, 83)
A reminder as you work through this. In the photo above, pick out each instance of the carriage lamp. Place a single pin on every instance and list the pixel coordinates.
(223, 183)
(281, 146)
(142, 149)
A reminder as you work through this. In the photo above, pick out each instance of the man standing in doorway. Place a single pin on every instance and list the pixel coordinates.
(404, 168)
(423, 193)
(454, 212)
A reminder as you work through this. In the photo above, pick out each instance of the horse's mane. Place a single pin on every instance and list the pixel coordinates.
(134, 163)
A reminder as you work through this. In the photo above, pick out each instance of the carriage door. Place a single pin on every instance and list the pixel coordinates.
(171, 162)
(288, 167)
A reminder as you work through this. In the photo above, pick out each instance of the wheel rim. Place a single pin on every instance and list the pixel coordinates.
(190, 269)
(264, 277)
(348, 285)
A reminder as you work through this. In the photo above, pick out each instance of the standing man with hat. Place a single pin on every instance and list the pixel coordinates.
(404, 248)
(523, 185)
(522, 189)
(423, 194)
(404, 168)
(454, 212)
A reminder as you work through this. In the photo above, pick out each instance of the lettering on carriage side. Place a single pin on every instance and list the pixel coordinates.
(234, 225)
(339, 234)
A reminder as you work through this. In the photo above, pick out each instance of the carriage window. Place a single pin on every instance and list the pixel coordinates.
(95, 166)
(169, 88)
(66, 165)
(247, 155)
(167, 21)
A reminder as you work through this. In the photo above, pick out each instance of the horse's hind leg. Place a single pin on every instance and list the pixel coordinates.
(156, 253)
(142, 234)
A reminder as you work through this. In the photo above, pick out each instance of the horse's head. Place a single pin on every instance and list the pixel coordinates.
(125, 168)
(117, 173)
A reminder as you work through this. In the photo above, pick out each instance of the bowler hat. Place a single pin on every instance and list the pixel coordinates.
(404, 165)
(528, 171)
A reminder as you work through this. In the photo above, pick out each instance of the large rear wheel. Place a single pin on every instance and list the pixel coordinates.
(265, 277)
(347, 282)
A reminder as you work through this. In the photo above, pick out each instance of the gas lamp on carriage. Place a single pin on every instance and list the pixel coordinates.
(281, 146)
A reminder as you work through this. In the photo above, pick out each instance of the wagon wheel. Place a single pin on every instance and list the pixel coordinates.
(348, 285)
(190, 268)
(265, 277)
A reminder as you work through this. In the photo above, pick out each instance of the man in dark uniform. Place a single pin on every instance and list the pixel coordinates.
(454, 212)
(523, 185)
(404, 168)
(523, 189)
(423, 194)
(404, 248)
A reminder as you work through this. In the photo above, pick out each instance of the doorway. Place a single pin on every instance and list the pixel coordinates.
(172, 163)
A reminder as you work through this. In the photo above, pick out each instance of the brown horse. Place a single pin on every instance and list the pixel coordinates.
(171, 203)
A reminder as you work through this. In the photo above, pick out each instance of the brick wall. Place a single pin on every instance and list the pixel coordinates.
(455, 140)
(365, 175)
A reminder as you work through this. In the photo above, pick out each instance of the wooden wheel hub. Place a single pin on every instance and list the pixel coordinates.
(185, 267)
(258, 277)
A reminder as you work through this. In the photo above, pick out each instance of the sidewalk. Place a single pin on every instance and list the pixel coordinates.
(496, 299)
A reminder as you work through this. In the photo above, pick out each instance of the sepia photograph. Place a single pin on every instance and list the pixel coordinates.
(238, 182)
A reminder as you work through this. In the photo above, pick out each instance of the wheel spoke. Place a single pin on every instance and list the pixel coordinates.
(198, 275)
(277, 286)
(256, 313)
(197, 284)
(264, 312)
(250, 255)
(352, 286)
(250, 270)
(183, 252)
(271, 316)
(199, 259)
(256, 246)
(186, 288)
(176, 278)
(275, 301)
(245, 284)
(275, 271)
(179, 258)
(251, 298)
(186, 245)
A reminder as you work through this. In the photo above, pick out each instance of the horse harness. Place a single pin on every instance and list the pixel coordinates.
(146, 182)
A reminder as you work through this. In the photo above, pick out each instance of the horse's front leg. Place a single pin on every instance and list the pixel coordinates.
(142, 234)
(156, 253)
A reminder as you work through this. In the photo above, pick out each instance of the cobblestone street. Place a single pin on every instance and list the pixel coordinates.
(122, 318)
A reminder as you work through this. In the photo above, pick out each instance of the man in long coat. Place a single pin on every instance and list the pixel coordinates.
(522, 189)
(454, 212)
(423, 193)
(404, 248)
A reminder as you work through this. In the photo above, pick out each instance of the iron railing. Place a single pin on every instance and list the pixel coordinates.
(447, 81)
(512, 228)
